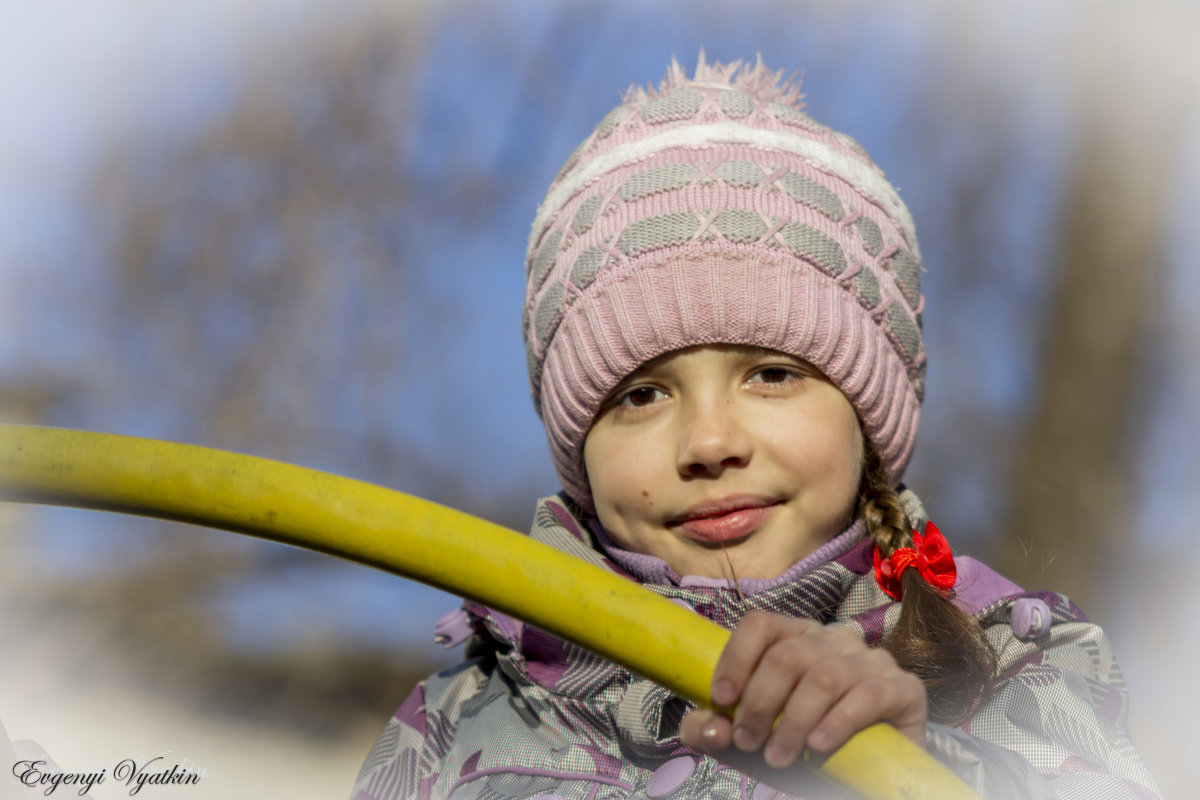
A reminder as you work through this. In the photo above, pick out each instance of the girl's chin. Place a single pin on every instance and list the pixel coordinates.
(727, 563)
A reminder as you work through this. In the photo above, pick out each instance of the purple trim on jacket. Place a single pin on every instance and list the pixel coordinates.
(978, 585)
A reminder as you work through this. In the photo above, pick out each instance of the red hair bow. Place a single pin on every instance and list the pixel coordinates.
(929, 554)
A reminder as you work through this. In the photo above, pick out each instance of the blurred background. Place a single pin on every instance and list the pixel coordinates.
(296, 229)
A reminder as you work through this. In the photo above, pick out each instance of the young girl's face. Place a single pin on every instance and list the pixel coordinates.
(724, 447)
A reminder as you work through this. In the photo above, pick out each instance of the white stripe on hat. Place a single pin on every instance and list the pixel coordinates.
(845, 167)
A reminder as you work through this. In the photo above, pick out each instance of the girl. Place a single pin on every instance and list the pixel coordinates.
(722, 323)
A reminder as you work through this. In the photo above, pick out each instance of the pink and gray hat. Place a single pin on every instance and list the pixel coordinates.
(715, 211)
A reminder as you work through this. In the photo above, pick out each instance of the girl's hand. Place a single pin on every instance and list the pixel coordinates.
(822, 685)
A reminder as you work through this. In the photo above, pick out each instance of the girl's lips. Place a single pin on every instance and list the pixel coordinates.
(725, 520)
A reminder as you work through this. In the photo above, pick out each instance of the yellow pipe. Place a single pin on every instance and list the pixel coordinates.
(418, 539)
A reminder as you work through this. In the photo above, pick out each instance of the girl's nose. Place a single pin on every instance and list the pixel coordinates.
(712, 440)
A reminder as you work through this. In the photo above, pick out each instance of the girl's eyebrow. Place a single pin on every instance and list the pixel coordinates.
(763, 355)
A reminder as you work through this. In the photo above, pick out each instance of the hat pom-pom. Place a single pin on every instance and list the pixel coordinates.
(763, 83)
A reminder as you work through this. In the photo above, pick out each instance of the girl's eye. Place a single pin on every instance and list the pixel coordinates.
(774, 375)
(640, 396)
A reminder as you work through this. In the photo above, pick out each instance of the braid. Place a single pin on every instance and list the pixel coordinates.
(881, 509)
(933, 638)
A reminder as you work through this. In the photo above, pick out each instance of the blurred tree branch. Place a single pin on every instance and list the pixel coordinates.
(1075, 479)
(257, 300)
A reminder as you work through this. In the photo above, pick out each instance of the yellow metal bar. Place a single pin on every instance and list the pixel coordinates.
(415, 538)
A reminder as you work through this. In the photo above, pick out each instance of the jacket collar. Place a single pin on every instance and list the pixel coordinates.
(816, 587)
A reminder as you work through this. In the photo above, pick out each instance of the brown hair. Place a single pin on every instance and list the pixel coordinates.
(933, 638)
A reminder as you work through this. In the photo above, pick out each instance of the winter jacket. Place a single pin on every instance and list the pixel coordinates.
(528, 715)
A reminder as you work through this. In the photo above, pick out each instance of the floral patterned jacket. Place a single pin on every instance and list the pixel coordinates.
(527, 715)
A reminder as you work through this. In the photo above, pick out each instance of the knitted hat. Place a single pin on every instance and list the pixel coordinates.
(714, 210)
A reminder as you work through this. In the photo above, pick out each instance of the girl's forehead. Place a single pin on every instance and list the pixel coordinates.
(715, 354)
